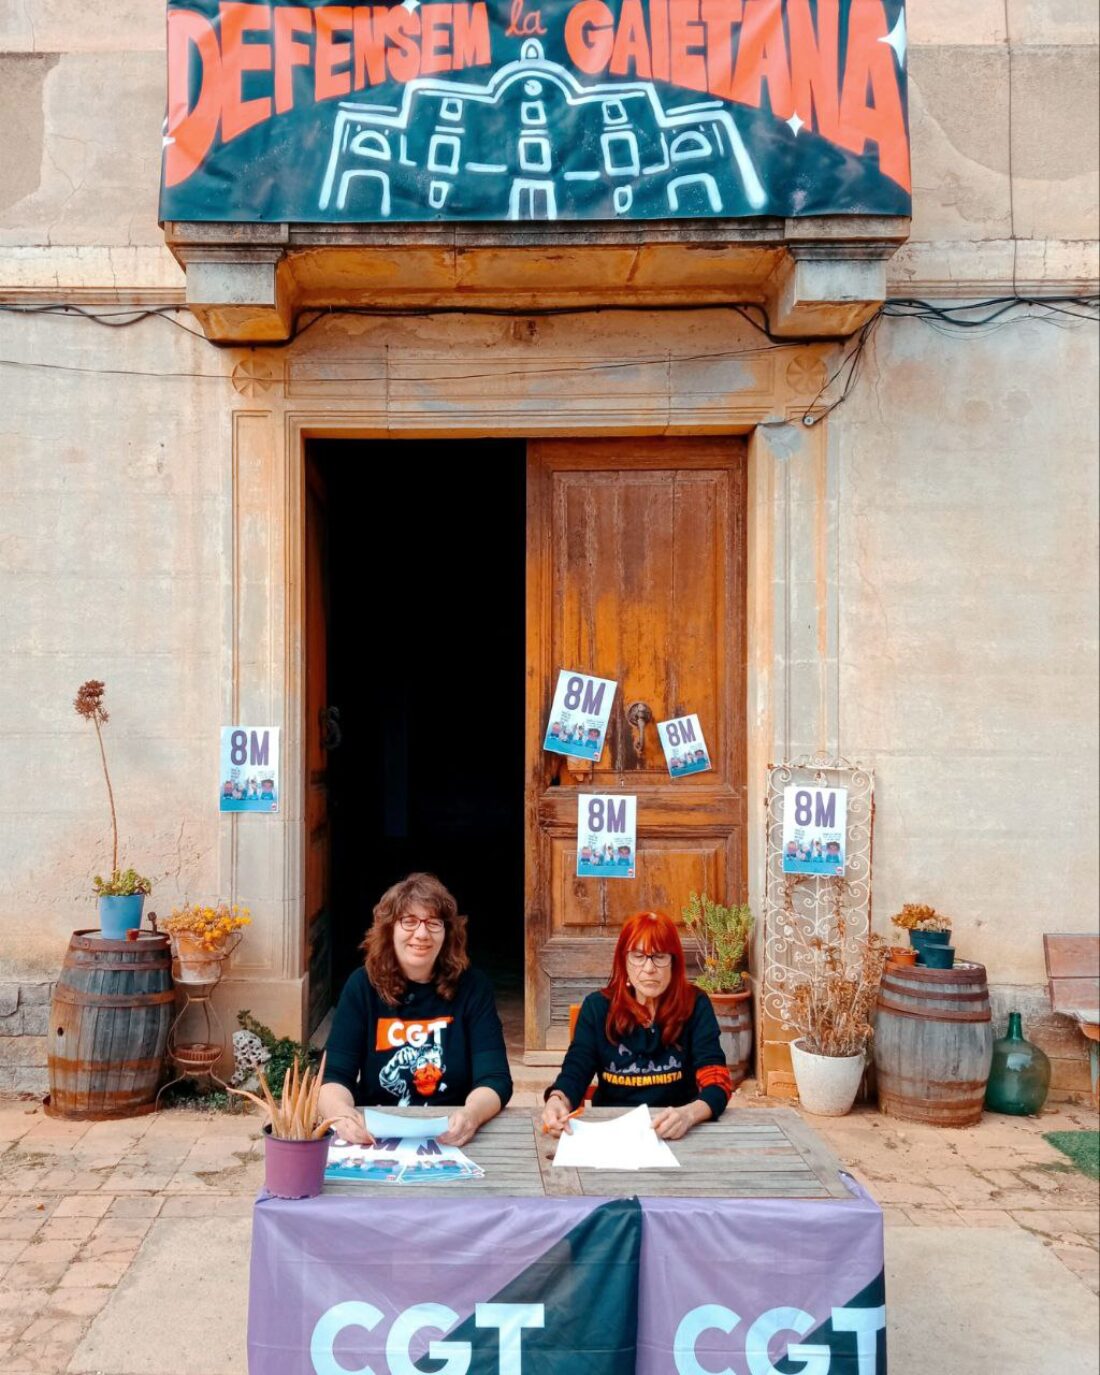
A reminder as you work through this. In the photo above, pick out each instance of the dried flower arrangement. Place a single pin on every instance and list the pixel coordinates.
(294, 1117)
(723, 934)
(917, 916)
(832, 983)
(88, 704)
(209, 927)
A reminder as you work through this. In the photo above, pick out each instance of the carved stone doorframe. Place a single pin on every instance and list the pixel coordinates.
(338, 384)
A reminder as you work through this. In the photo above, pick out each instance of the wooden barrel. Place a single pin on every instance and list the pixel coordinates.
(109, 1021)
(734, 1013)
(933, 1043)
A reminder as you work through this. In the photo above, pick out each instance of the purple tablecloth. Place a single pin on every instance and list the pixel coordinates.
(566, 1286)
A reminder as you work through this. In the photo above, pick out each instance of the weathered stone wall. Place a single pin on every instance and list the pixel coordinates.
(962, 476)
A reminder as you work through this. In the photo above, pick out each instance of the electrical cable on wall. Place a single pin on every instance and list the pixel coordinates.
(964, 317)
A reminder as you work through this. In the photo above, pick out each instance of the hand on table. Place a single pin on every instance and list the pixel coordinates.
(671, 1124)
(462, 1126)
(350, 1128)
(556, 1115)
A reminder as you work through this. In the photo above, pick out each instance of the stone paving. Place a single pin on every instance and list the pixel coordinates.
(79, 1202)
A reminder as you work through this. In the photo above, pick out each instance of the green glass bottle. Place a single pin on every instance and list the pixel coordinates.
(1020, 1074)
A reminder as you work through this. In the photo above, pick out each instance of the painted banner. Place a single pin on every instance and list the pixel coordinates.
(518, 110)
(248, 776)
(579, 715)
(566, 1286)
(607, 835)
(685, 749)
(815, 828)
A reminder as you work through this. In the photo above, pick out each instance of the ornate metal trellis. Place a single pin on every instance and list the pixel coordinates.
(803, 908)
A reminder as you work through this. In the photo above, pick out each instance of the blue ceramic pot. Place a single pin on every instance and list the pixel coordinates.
(936, 937)
(119, 915)
(938, 956)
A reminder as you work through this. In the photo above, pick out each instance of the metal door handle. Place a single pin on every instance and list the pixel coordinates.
(639, 715)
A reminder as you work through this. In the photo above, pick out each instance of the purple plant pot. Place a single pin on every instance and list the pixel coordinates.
(295, 1169)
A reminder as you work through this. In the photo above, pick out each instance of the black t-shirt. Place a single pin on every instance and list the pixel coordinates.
(637, 1068)
(425, 1052)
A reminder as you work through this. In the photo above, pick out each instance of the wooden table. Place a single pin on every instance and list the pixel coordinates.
(754, 1245)
(750, 1153)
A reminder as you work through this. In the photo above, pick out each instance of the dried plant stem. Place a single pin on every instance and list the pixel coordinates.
(110, 796)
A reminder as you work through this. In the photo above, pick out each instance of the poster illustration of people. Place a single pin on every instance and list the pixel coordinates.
(579, 714)
(815, 824)
(684, 746)
(607, 840)
(248, 773)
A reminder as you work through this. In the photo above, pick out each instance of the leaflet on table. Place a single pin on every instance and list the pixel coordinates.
(623, 1143)
(405, 1151)
(392, 1160)
(579, 714)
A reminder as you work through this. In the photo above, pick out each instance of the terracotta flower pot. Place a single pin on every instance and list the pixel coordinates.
(734, 1013)
(295, 1169)
(902, 955)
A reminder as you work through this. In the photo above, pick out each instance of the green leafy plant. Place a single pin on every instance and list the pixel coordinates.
(723, 934)
(918, 916)
(283, 1050)
(124, 884)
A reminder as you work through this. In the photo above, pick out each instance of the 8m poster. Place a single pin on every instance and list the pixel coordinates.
(815, 826)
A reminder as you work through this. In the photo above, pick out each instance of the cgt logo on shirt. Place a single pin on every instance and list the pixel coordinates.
(395, 1031)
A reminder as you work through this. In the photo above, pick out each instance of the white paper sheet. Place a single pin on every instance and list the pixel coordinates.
(393, 1127)
(624, 1143)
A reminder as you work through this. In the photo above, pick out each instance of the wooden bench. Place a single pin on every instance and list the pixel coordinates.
(1073, 976)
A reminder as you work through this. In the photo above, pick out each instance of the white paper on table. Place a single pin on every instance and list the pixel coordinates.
(389, 1126)
(624, 1143)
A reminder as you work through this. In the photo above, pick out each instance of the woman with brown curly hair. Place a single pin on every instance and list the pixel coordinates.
(416, 1025)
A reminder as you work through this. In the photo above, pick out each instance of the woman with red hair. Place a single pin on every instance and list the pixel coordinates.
(648, 1037)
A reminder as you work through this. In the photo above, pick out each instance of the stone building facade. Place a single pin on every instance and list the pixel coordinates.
(921, 563)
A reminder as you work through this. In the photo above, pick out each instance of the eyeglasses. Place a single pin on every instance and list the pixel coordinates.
(433, 925)
(659, 959)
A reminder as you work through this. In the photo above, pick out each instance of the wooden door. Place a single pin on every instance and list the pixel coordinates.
(319, 729)
(635, 572)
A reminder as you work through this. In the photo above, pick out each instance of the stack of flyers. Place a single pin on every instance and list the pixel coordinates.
(405, 1151)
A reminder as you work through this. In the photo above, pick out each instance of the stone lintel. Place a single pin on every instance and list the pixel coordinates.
(817, 278)
(826, 292)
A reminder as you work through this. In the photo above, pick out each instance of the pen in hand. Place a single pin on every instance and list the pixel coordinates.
(575, 1113)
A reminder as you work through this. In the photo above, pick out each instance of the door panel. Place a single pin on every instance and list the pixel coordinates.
(318, 931)
(636, 573)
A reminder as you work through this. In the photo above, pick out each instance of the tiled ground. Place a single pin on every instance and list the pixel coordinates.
(998, 1174)
(78, 1202)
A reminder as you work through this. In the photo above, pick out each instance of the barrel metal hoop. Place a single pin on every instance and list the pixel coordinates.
(939, 1016)
(932, 994)
(75, 997)
(156, 961)
(59, 1063)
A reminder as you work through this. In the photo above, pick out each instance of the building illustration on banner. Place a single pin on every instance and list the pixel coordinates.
(567, 146)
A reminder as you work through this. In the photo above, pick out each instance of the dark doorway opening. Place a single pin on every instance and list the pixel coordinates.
(423, 558)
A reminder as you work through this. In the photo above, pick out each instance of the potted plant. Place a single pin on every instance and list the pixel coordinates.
(831, 1009)
(723, 935)
(296, 1138)
(202, 937)
(925, 926)
(122, 896)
